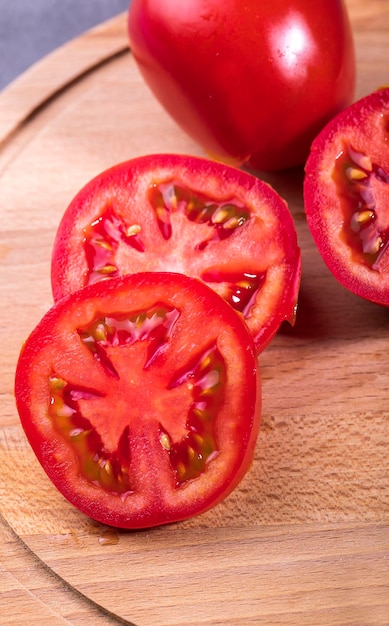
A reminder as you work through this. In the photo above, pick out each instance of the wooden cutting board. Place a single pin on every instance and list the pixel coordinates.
(305, 537)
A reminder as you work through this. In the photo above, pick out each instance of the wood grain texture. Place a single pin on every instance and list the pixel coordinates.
(30, 593)
(305, 538)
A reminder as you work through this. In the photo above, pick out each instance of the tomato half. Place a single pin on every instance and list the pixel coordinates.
(346, 193)
(190, 215)
(251, 81)
(140, 398)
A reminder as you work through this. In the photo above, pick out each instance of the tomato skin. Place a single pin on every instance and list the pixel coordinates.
(346, 195)
(251, 82)
(259, 260)
(78, 416)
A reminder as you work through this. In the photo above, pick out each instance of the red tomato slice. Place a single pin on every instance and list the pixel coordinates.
(140, 398)
(188, 215)
(346, 195)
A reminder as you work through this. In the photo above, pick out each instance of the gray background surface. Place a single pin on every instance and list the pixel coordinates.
(31, 29)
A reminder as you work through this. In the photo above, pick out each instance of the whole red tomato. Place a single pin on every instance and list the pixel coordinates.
(253, 81)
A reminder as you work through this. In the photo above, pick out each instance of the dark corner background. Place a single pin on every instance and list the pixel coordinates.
(31, 29)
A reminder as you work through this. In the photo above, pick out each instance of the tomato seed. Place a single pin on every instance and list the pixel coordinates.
(353, 174)
(361, 159)
(165, 441)
(361, 218)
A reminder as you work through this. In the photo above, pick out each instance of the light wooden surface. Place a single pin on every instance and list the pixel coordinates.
(305, 538)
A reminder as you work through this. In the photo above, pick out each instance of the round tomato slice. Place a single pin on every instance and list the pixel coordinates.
(189, 215)
(140, 398)
(346, 193)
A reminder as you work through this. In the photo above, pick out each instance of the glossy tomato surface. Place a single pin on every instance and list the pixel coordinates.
(346, 194)
(141, 399)
(190, 215)
(251, 81)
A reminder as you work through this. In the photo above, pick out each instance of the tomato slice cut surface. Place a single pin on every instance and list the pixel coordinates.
(186, 215)
(140, 398)
(346, 192)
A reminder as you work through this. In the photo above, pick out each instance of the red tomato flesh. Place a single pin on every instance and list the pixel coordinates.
(140, 398)
(251, 81)
(186, 215)
(346, 193)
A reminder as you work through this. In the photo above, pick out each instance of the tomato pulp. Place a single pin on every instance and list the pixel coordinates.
(252, 82)
(346, 192)
(189, 215)
(141, 399)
